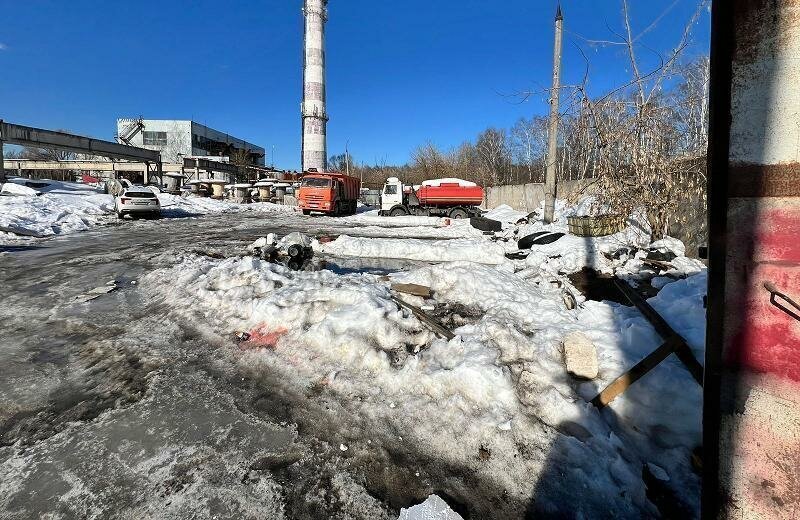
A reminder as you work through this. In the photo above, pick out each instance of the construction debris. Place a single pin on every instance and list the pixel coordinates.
(580, 356)
(96, 292)
(424, 318)
(673, 344)
(413, 289)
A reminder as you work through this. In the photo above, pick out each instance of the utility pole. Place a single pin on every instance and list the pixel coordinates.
(347, 157)
(552, 131)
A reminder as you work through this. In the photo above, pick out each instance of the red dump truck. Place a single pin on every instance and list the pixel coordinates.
(454, 198)
(328, 192)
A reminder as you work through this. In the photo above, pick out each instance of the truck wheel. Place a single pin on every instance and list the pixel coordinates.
(306, 212)
(458, 213)
(398, 212)
(337, 210)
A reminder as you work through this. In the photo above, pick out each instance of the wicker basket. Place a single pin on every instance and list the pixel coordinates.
(595, 226)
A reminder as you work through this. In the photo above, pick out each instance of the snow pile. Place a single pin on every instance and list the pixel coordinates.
(65, 207)
(498, 387)
(53, 213)
(449, 180)
(434, 508)
(506, 214)
(177, 206)
(11, 188)
(415, 249)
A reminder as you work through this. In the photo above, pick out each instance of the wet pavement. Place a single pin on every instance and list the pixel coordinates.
(109, 408)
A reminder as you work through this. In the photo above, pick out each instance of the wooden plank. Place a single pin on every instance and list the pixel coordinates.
(682, 350)
(641, 368)
(434, 325)
(413, 289)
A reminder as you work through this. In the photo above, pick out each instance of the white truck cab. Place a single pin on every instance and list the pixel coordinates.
(392, 194)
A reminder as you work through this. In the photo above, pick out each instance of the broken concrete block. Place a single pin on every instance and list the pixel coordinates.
(412, 288)
(580, 356)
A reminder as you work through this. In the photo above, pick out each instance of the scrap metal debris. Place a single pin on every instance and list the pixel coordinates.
(424, 318)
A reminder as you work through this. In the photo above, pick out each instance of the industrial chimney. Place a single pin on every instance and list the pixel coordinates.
(315, 119)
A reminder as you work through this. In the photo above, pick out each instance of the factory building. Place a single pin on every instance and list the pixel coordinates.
(178, 139)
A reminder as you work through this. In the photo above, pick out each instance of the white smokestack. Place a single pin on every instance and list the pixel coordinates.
(315, 118)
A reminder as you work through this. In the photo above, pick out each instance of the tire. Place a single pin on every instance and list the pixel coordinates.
(485, 224)
(120, 215)
(457, 213)
(538, 239)
(398, 212)
(306, 212)
(337, 210)
(295, 251)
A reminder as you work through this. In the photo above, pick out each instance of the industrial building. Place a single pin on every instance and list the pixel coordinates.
(178, 139)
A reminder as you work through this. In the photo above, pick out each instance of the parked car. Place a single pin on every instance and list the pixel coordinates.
(137, 201)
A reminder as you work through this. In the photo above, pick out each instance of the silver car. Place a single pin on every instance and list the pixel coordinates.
(137, 201)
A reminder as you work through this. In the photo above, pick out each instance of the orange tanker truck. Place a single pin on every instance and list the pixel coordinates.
(328, 192)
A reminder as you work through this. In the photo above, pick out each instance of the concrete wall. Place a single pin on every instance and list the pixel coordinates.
(526, 197)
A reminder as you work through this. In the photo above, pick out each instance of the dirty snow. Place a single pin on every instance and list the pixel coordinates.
(496, 400)
(433, 508)
(503, 370)
(506, 214)
(65, 207)
(415, 249)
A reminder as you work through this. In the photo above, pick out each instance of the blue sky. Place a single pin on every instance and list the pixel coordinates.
(399, 73)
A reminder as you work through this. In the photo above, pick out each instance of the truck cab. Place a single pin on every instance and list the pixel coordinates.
(391, 195)
(328, 192)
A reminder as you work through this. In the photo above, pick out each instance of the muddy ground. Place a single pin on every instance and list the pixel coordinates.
(111, 409)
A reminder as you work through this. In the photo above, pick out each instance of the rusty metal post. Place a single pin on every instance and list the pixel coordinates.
(751, 416)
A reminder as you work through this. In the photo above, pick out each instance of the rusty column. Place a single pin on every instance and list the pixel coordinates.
(751, 418)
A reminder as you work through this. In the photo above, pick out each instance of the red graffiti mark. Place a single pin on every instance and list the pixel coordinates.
(778, 235)
(263, 337)
(763, 337)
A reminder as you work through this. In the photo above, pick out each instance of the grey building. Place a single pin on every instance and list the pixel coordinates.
(176, 139)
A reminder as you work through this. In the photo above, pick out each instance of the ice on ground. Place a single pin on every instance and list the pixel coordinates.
(434, 508)
(415, 249)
